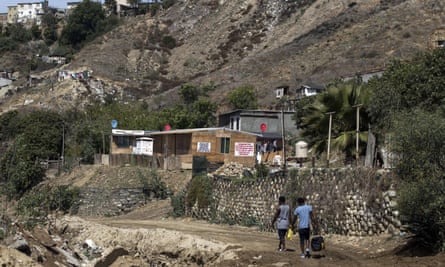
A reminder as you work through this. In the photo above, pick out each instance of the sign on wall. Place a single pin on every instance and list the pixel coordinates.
(144, 146)
(203, 147)
(244, 149)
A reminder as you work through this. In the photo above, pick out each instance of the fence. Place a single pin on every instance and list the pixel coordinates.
(134, 160)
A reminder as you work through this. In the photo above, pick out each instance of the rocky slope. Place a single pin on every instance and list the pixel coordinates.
(263, 43)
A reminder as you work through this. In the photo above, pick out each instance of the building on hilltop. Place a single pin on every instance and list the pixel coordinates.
(3, 18)
(27, 13)
(12, 14)
(309, 89)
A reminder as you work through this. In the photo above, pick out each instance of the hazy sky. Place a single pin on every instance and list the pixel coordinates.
(52, 3)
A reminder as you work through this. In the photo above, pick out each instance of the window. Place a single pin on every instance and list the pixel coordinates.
(225, 145)
(123, 141)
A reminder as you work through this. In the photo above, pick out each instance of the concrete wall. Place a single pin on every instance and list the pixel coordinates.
(346, 201)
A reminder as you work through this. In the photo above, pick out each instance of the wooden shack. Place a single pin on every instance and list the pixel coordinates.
(176, 148)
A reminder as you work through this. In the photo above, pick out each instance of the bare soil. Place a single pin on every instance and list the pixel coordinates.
(251, 247)
(151, 238)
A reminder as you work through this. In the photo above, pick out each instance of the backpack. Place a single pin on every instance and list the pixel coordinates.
(317, 243)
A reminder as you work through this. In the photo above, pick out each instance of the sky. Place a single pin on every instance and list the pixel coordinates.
(52, 3)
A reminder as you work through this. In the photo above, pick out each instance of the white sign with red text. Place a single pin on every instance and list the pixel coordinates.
(244, 149)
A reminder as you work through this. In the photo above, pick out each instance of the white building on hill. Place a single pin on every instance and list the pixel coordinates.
(27, 13)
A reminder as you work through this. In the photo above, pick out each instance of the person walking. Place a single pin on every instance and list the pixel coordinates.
(282, 217)
(304, 215)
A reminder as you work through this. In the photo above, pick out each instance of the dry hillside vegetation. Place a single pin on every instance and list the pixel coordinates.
(263, 43)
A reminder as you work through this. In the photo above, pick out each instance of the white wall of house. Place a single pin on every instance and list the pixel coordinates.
(29, 12)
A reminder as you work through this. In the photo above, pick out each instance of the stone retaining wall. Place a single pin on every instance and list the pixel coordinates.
(110, 202)
(346, 201)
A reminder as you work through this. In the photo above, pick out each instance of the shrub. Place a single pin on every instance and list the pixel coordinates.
(178, 204)
(261, 170)
(153, 185)
(2, 234)
(419, 148)
(169, 42)
(200, 191)
(168, 3)
(40, 201)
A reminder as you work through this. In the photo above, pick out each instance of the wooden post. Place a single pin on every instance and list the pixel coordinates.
(329, 138)
(357, 132)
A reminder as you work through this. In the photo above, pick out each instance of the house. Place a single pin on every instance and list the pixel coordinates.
(7, 74)
(281, 91)
(266, 123)
(175, 149)
(5, 87)
(309, 90)
(54, 60)
(28, 13)
(12, 14)
(126, 141)
(3, 18)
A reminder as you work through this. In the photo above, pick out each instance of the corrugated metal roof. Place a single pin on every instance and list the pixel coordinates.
(186, 131)
(129, 132)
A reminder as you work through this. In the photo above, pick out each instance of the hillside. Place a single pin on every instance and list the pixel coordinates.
(230, 43)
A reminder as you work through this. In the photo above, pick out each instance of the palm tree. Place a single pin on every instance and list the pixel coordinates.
(342, 98)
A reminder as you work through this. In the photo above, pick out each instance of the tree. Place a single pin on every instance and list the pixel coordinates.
(36, 32)
(243, 98)
(341, 98)
(420, 162)
(190, 93)
(87, 21)
(111, 6)
(18, 32)
(404, 86)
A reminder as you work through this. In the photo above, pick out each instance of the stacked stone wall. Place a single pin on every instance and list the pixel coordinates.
(345, 201)
(110, 202)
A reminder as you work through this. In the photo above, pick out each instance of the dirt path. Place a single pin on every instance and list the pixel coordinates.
(258, 248)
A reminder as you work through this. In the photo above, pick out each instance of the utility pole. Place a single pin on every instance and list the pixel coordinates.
(357, 133)
(283, 138)
(329, 137)
(63, 144)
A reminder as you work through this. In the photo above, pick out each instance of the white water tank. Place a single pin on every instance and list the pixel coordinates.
(301, 149)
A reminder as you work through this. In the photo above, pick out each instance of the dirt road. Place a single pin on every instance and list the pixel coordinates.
(259, 248)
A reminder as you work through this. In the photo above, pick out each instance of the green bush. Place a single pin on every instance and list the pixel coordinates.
(2, 234)
(153, 185)
(40, 201)
(178, 204)
(419, 146)
(261, 170)
(169, 42)
(422, 206)
(200, 191)
(168, 3)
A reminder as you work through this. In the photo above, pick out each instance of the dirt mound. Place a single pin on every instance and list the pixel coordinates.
(152, 246)
(10, 257)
